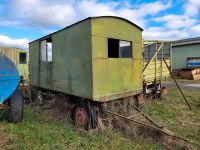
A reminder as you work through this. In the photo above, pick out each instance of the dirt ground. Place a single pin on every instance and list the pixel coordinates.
(5, 140)
(183, 83)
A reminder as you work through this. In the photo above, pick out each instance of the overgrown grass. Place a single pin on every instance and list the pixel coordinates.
(175, 115)
(39, 132)
(36, 132)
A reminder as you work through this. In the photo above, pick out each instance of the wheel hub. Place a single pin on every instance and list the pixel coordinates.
(81, 117)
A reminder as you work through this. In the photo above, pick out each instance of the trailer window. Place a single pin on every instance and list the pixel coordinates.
(119, 48)
(46, 50)
(22, 58)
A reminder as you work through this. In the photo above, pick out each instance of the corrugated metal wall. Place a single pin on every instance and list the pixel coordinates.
(181, 53)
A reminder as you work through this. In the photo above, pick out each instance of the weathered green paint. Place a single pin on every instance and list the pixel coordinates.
(13, 54)
(81, 66)
(34, 63)
(70, 71)
(115, 77)
(181, 53)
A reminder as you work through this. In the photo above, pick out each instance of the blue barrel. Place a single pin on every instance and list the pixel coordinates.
(9, 78)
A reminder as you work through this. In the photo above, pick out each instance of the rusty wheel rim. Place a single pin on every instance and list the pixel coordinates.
(81, 118)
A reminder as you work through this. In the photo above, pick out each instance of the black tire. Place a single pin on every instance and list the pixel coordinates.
(15, 104)
(91, 114)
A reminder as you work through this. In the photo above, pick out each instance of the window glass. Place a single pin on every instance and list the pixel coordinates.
(125, 49)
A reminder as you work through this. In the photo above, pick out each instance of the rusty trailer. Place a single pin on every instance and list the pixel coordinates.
(97, 62)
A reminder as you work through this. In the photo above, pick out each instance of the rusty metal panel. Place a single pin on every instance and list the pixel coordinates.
(115, 77)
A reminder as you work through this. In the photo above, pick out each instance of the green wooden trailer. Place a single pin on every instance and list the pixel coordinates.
(96, 61)
(98, 58)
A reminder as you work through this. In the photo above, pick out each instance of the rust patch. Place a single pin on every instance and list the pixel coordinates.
(164, 91)
(141, 99)
(81, 118)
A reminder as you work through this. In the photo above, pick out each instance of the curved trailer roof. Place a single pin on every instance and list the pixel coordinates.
(90, 18)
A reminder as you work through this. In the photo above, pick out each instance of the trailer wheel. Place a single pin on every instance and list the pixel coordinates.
(15, 103)
(84, 115)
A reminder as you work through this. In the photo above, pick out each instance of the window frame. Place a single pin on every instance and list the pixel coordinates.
(25, 62)
(119, 55)
(46, 58)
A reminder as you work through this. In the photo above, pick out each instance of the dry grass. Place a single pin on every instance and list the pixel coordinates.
(174, 114)
(47, 127)
(5, 139)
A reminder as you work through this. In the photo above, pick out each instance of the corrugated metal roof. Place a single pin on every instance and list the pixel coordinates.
(186, 42)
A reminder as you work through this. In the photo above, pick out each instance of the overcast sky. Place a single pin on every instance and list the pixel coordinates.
(22, 21)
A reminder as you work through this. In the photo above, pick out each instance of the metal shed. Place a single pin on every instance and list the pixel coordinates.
(186, 53)
(98, 58)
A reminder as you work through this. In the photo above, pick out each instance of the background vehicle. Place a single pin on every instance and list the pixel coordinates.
(10, 96)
